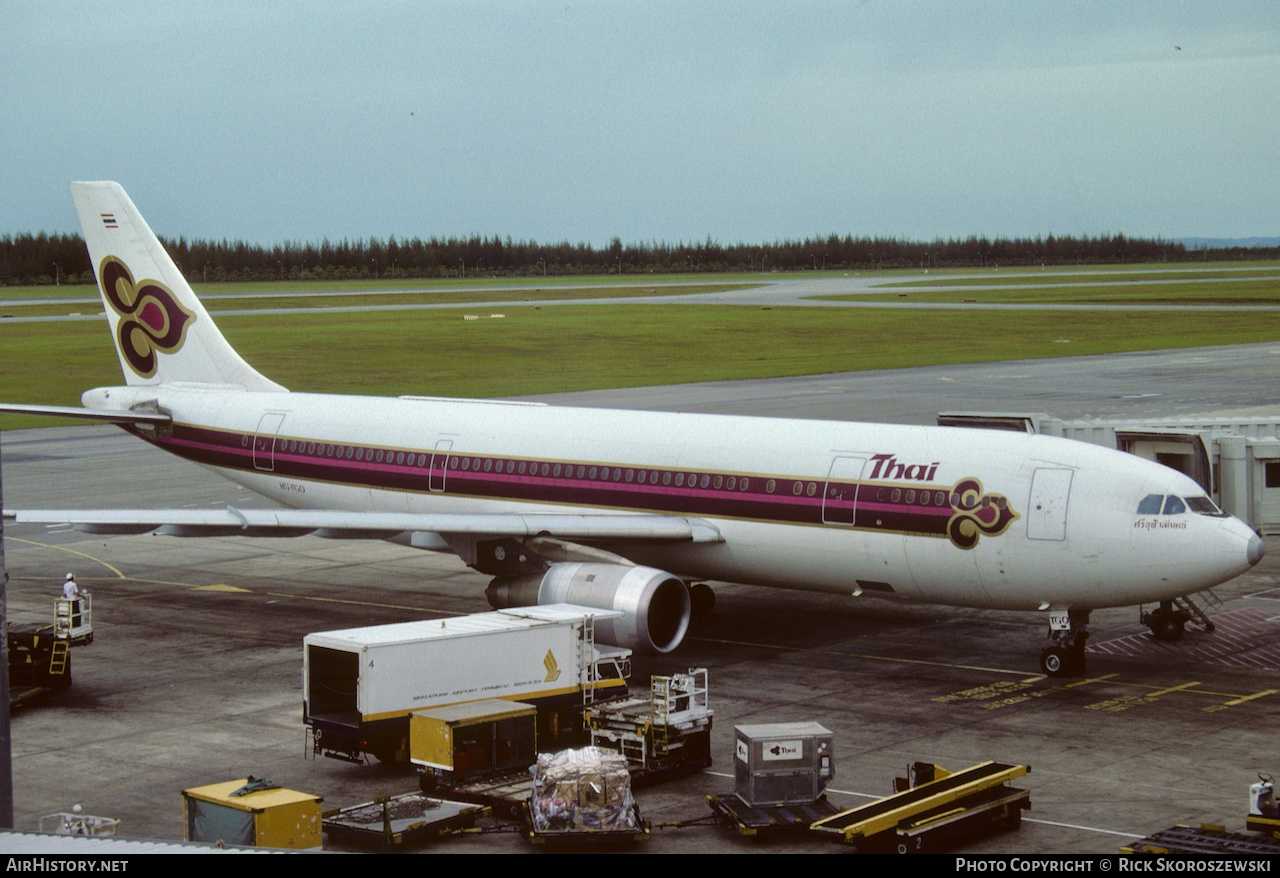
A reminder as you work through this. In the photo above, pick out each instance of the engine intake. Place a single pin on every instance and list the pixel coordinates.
(654, 604)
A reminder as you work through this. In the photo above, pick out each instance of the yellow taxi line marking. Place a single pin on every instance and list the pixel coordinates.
(1243, 698)
(70, 551)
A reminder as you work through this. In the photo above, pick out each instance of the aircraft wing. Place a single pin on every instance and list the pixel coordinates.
(375, 525)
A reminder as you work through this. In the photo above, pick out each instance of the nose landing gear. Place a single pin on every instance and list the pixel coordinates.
(1068, 631)
(1166, 621)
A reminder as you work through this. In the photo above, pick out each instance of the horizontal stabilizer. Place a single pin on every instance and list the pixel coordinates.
(60, 411)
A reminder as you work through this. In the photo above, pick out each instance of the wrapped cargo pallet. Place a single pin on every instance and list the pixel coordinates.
(586, 790)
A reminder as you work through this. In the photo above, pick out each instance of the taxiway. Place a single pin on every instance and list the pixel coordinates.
(195, 674)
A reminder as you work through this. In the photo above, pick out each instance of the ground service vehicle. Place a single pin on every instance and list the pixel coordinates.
(361, 684)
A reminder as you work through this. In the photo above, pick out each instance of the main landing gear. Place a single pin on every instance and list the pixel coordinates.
(1064, 657)
(1166, 622)
(702, 600)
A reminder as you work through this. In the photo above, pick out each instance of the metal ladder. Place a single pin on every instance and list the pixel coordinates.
(586, 659)
(1199, 605)
(58, 658)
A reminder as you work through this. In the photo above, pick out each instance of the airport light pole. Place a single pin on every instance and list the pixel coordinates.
(6, 749)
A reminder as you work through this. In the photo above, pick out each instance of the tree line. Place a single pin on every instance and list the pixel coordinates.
(27, 259)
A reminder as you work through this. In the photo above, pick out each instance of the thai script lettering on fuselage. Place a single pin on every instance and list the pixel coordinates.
(887, 466)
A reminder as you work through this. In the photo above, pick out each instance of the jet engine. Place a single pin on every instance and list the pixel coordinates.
(654, 604)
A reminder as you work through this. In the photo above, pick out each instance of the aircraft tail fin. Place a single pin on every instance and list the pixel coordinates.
(162, 332)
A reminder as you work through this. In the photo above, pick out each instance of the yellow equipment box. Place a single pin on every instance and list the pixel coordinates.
(244, 812)
(477, 737)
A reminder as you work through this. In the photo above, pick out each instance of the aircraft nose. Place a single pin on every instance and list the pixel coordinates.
(1255, 550)
(1240, 545)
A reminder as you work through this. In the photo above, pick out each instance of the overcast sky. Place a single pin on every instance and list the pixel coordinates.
(652, 121)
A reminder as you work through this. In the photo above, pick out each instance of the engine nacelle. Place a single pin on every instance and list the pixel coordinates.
(654, 604)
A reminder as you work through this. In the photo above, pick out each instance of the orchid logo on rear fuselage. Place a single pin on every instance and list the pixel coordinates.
(151, 318)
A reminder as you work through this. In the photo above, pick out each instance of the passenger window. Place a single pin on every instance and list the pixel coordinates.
(1174, 505)
(1150, 504)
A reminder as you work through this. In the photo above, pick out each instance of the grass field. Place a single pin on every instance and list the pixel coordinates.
(214, 291)
(380, 296)
(594, 347)
(586, 347)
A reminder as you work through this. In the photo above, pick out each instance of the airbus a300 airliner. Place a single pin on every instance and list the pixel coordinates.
(620, 510)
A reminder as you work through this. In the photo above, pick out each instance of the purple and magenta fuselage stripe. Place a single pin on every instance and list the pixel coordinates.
(958, 512)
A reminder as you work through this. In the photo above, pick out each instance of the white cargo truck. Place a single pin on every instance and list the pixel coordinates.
(360, 684)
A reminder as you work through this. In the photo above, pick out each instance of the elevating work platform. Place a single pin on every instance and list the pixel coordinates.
(39, 656)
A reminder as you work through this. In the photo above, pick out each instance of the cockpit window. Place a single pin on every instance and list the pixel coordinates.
(1205, 506)
(1150, 504)
(1154, 504)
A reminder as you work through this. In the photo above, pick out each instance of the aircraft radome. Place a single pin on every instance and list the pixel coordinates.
(620, 510)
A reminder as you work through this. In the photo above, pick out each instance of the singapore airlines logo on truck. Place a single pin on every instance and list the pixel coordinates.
(553, 667)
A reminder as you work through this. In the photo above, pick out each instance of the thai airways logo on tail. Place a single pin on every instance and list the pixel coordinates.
(151, 319)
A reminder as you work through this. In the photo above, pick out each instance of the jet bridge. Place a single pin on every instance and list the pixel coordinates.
(1236, 459)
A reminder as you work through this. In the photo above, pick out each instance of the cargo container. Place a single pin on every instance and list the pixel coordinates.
(360, 684)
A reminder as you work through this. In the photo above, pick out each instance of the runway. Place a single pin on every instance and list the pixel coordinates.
(194, 677)
(1216, 381)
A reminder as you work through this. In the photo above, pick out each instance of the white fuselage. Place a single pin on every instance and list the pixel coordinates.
(955, 516)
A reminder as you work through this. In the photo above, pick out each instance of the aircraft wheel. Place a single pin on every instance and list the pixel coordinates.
(1056, 661)
(1167, 628)
(702, 600)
